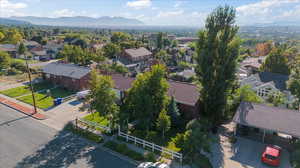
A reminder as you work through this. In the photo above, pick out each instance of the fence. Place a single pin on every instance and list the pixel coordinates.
(150, 145)
(69, 97)
(93, 124)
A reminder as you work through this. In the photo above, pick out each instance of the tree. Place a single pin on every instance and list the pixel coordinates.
(196, 138)
(276, 62)
(163, 122)
(103, 97)
(21, 49)
(163, 56)
(217, 52)
(147, 97)
(173, 112)
(294, 79)
(111, 50)
(77, 55)
(159, 41)
(4, 60)
(118, 37)
(245, 93)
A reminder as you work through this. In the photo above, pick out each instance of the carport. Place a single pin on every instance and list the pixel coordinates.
(268, 118)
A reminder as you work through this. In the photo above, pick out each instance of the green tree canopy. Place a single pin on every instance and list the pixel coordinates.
(4, 60)
(111, 50)
(276, 62)
(118, 37)
(148, 96)
(173, 112)
(163, 122)
(217, 51)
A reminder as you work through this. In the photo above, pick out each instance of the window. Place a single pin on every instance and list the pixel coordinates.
(270, 157)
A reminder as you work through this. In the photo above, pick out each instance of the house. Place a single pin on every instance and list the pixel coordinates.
(39, 53)
(69, 76)
(186, 95)
(267, 84)
(136, 55)
(183, 40)
(53, 47)
(252, 64)
(31, 44)
(9, 48)
(268, 119)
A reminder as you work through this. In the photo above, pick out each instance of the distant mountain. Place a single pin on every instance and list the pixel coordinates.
(277, 23)
(81, 21)
(5, 21)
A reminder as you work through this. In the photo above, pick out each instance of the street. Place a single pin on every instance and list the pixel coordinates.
(25, 142)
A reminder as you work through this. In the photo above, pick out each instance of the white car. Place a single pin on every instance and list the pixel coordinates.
(153, 165)
(83, 94)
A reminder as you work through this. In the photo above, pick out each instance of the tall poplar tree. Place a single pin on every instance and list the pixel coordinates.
(217, 53)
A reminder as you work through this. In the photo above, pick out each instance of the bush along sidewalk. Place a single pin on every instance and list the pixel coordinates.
(125, 150)
(84, 133)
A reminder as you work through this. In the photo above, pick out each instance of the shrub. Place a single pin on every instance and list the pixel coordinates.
(85, 134)
(123, 149)
(150, 157)
(13, 71)
(19, 65)
(202, 161)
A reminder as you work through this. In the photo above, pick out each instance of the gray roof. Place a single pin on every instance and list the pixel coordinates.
(67, 70)
(268, 117)
(279, 80)
(139, 52)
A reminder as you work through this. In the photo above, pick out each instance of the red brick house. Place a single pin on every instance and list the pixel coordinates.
(69, 76)
(136, 55)
(186, 95)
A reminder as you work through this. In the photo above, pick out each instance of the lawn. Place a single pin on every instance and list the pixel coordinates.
(43, 101)
(95, 117)
(23, 90)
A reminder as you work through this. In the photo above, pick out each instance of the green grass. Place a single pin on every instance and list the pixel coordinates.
(85, 134)
(95, 117)
(43, 101)
(23, 90)
(24, 61)
(15, 92)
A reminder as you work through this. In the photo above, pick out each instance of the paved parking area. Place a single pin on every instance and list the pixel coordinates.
(244, 153)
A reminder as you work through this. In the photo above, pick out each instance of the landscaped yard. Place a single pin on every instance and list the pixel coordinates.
(23, 90)
(95, 117)
(44, 101)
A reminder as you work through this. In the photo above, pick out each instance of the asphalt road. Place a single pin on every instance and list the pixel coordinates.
(25, 142)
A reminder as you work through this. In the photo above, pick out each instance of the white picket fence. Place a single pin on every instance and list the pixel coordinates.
(93, 124)
(150, 145)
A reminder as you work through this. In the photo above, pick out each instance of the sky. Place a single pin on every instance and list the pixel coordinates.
(157, 12)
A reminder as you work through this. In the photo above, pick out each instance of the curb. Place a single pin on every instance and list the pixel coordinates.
(35, 116)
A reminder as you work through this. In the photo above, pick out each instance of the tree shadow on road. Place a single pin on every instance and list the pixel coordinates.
(66, 149)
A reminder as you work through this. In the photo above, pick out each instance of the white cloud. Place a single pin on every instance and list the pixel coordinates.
(178, 4)
(170, 13)
(266, 11)
(64, 13)
(139, 4)
(8, 8)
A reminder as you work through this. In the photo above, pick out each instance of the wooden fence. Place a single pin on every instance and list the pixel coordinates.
(150, 145)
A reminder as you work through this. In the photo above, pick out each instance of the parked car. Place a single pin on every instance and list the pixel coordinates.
(153, 165)
(82, 94)
(271, 155)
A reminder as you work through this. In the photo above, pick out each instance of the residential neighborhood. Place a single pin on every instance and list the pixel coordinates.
(188, 87)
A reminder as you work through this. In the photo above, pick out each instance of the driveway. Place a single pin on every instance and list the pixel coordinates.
(244, 153)
(60, 115)
(41, 64)
(26, 143)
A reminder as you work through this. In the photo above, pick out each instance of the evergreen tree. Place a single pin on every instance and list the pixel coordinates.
(159, 41)
(163, 122)
(217, 53)
(173, 112)
(21, 49)
(276, 62)
(5, 60)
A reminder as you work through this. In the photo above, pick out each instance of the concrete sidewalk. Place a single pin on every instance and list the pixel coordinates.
(21, 108)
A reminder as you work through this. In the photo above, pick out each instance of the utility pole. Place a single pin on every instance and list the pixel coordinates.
(31, 86)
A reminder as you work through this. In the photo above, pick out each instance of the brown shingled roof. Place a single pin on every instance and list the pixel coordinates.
(138, 52)
(183, 92)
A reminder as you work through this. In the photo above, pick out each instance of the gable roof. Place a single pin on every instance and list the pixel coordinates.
(66, 70)
(138, 52)
(7, 47)
(183, 92)
(268, 117)
(261, 78)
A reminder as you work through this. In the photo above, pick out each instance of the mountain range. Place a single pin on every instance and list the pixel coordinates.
(78, 21)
